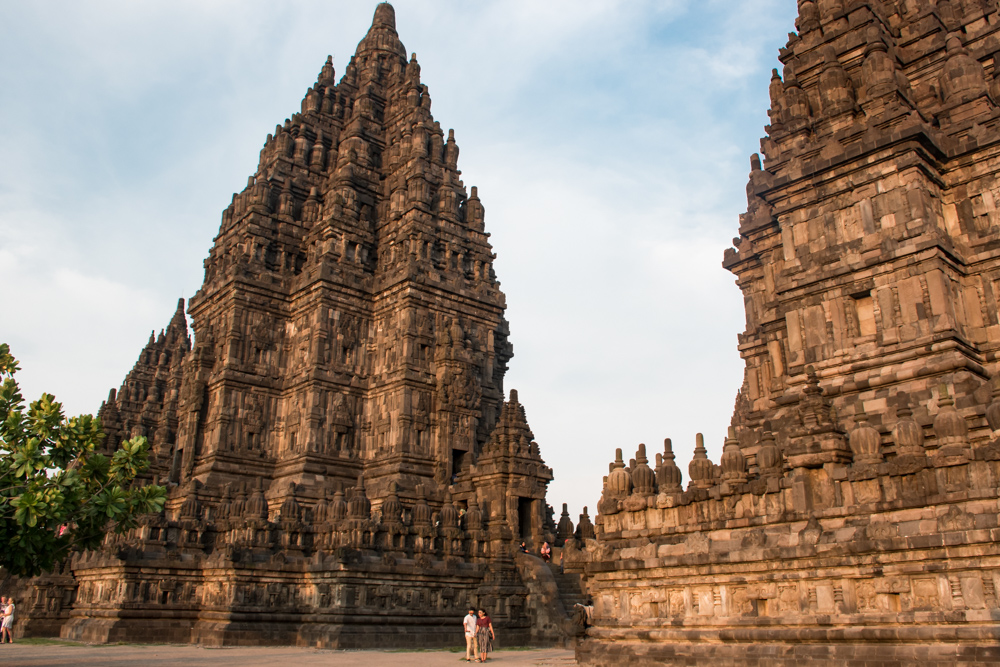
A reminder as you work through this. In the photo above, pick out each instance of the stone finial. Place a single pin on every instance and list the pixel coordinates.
(381, 37)
(413, 71)
(224, 507)
(734, 464)
(668, 475)
(795, 106)
(474, 517)
(962, 77)
(836, 92)
(392, 509)
(584, 527)
(449, 514)
(700, 469)
(317, 155)
(338, 506)
(290, 510)
(237, 510)
(327, 75)
(475, 214)
(808, 17)
(643, 477)
(878, 70)
(451, 151)
(321, 512)
(619, 480)
(385, 16)
(358, 505)
(865, 442)
(177, 331)
(312, 101)
(907, 434)
(256, 507)
(950, 427)
(421, 510)
(564, 531)
(776, 90)
(190, 508)
(814, 409)
(769, 458)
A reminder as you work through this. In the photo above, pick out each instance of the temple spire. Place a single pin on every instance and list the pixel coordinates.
(178, 329)
(382, 35)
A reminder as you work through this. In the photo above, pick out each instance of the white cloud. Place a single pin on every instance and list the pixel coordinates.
(75, 334)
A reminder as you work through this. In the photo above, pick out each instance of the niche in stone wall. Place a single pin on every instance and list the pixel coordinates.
(458, 462)
(864, 313)
(175, 465)
(524, 517)
(760, 607)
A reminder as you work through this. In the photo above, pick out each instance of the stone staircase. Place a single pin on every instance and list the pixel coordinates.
(570, 589)
(551, 600)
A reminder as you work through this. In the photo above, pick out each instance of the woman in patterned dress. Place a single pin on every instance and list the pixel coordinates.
(484, 635)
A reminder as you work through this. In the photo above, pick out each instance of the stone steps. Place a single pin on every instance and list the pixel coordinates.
(570, 590)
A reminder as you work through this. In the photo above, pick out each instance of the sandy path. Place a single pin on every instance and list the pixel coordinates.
(52, 655)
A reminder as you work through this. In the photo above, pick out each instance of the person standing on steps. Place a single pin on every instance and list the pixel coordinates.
(484, 635)
(471, 648)
(545, 552)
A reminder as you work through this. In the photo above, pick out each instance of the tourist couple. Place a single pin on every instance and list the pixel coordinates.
(478, 635)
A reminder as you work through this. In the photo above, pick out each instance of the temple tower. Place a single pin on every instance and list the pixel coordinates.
(350, 322)
(867, 253)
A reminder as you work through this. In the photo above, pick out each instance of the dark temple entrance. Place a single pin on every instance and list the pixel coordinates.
(524, 517)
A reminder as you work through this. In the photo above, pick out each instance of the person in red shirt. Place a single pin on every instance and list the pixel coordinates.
(484, 635)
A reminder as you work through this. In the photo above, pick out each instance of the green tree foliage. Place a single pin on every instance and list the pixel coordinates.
(58, 493)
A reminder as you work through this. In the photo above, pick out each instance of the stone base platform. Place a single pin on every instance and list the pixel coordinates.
(363, 633)
(642, 654)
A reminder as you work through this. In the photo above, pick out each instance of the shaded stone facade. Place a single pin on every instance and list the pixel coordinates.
(854, 512)
(343, 469)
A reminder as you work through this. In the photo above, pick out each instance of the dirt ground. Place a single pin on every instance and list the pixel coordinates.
(46, 653)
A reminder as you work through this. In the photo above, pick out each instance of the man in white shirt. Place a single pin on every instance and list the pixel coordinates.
(469, 623)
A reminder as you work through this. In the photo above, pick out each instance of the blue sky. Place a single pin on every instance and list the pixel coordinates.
(610, 142)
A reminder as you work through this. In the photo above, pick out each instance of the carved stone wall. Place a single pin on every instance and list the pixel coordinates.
(902, 555)
(853, 513)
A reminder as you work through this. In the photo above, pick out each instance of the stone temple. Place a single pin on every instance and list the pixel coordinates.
(343, 467)
(344, 470)
(853, 516)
